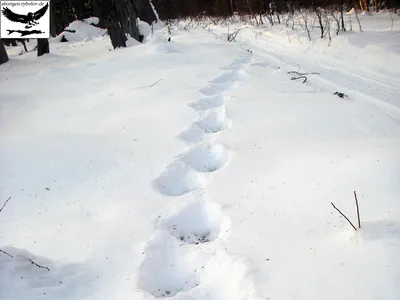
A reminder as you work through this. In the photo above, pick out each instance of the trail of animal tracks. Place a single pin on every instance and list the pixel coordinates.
(197, 169)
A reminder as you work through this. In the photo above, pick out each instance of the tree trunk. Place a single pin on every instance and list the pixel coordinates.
(53, 28)
(341, 14)
(43, 47)
(231, 5)
(3, 53)
(318, 12)
(145, 11)
(107, 12)
(98, 13)
(121, 11)
(132, 16)
(116, 34)
(24, 44)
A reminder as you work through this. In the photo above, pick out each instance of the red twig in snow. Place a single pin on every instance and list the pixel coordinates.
(344, 216)
(358, 210)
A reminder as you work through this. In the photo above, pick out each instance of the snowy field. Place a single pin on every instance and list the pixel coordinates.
(197, 169)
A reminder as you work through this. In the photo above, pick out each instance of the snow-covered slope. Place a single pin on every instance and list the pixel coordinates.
(197, 169)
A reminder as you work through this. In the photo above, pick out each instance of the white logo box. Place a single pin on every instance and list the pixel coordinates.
(25, 19)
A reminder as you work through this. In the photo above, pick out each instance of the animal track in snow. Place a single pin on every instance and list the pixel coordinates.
(238, 63)
(260, 64)
(178, 179)
(231, 76)
(214, 120)
(207, 157)
(199, 222)
(216, 88)
(192, 135)
(169, 269)
(173, 267)
(208, 103)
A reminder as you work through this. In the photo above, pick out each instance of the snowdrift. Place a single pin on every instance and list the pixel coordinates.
(79, 31)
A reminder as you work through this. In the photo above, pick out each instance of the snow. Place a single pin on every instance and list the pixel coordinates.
(197, 169)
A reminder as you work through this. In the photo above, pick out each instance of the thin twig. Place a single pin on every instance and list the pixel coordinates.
(344, 216)
(4, 204)
(30, 260)
(39, 266)
(299, 77)
(302, 74)
(232, 36)
(6, 253)
(155, 83)
(358, 210)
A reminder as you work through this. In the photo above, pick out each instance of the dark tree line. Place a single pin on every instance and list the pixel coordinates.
(174, 9)
(119, 17)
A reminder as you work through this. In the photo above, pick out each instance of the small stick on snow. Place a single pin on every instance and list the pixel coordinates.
(6, 253)
(358, 210)
(344, 216)
(4, 204)
(30, 260)
(39, 266)
(155, 83)
(300, 77)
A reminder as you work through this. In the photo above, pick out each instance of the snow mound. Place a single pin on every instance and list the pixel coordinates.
(385, 231)
(92, 20)
(145, 30)
(79, 31)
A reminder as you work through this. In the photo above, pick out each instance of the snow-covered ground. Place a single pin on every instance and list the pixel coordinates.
(197, 169)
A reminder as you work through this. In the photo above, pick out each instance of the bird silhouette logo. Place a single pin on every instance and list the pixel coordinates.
(30, 19)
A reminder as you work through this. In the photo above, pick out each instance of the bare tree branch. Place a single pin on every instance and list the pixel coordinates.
(344, 216)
